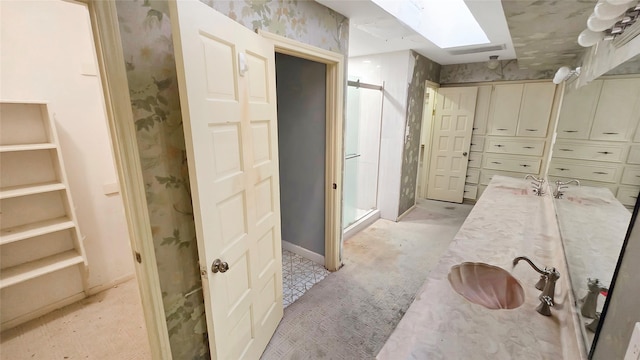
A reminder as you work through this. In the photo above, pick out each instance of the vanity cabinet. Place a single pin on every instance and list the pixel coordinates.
(510, 132)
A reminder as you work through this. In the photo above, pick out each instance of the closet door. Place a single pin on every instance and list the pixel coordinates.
(535, 109)
(617, 112)
(505, 109)
(578, 109)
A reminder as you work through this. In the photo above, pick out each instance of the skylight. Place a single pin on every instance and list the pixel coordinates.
(446, 23)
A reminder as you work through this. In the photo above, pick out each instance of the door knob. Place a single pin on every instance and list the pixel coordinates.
(464, 153)
(219, 266)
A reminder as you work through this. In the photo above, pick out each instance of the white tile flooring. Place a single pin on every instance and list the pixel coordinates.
(298, 275)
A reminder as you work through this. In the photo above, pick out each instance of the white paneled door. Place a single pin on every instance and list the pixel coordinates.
(455, 109)
(227, 85)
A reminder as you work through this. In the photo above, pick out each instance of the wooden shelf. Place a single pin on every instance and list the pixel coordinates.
(17, 274)
(15, 191)
(35, 229)
(27, 147)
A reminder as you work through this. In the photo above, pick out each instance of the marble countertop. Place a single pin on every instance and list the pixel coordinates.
(507, 221)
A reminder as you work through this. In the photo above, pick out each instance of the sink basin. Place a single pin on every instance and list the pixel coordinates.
(486, 285)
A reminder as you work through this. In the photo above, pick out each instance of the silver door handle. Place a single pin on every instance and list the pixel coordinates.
(219, 266)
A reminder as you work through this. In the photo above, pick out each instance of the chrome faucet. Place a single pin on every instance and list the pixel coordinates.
(537, 184)
(547, 284)
(561, 186)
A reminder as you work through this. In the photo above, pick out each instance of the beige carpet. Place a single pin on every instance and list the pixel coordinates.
(352, 312)
(108, 325)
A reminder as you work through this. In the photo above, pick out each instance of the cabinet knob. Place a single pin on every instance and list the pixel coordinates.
(464, 153)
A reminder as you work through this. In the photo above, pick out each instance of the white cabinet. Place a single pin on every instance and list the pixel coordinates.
(535, 109)
(596, 127)
(521, 109)
(577, 111)
(616, 115)
(483, 102)
(505, 109)
(39, 235)
(511, 131)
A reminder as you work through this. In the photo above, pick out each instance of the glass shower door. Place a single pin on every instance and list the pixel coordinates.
(362, 150)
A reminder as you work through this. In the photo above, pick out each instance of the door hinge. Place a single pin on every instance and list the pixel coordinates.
(138, 258)
(433, 112)
(335, 186)
(203, 271)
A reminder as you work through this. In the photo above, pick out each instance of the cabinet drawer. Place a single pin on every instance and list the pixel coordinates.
(475, 159)
(512, 163)
(470, 191)
(634, 155)
(487, 175)
(582, 170)
(477, 143)
(631, 176)
(473, 175)
(516, 147)
(588, 151)
(628, 195)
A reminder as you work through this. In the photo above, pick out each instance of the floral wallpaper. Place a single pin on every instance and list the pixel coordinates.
(545, 32)
(151, 71)
(423, 69)
(479, 72)
(302, 20)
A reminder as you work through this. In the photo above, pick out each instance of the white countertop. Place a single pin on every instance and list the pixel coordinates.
(440, 324)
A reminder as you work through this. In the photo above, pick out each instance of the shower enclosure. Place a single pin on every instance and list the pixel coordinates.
(362, 150)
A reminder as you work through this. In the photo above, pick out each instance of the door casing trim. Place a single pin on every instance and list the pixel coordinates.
(334, 112)
(111, 63)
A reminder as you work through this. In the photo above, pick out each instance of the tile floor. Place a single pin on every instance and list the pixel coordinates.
(298, 275)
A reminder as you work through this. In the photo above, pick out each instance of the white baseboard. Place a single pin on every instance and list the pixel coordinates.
(41, 311)
(361, 224)
(307, 254)
(102, 287)
(406, 212)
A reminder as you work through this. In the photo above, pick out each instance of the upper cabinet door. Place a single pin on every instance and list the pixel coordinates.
(616, 115)
(505, 109)
(482, 110)
(535, 109)
(578, 108)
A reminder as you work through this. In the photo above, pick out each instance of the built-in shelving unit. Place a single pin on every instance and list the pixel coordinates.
(39, 234)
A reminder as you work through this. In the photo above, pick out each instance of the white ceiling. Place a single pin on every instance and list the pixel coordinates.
(372, 30)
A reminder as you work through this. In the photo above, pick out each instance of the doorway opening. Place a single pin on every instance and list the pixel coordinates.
(302, 122)
(67, 268)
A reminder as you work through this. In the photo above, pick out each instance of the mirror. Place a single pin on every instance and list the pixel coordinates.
(598, 144)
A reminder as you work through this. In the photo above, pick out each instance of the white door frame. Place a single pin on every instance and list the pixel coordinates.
(334, 112)
(106, 36)
(427, 134)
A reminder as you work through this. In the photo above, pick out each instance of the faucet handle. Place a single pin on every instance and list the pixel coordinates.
(545, 305)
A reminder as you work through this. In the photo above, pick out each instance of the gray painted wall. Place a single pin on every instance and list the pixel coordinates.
(623, 309)
(301, 146)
